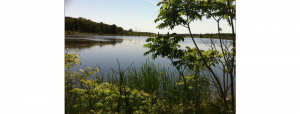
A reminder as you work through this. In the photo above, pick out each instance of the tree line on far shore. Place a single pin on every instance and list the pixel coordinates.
(82, 25)
(208, 35)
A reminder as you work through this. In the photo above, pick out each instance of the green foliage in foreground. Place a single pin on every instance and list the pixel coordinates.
(144, 90)
(175, 13)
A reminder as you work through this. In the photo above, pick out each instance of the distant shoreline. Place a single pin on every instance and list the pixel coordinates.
(76, 33)
(229, 38)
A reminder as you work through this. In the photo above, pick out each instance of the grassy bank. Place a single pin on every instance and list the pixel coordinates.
(147, 89)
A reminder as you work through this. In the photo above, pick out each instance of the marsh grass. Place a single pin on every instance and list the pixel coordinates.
(151, 88)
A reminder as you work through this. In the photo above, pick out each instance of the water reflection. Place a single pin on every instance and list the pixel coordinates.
(84, 42)
(104, 50)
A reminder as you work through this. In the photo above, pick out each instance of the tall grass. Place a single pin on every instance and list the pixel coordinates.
(155, 89)
(150, 77)
(166, 83)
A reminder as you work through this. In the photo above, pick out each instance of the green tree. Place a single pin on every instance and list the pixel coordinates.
(130, 30)
(201, 36)
(120, 30)
(114, 29)
(98, 29)
(182, 12)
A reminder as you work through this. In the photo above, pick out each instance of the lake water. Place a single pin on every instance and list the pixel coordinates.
(105, 50)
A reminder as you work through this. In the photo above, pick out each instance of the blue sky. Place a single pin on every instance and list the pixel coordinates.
(134, 14)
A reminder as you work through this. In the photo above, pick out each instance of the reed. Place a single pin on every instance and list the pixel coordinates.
(165, 82)
(150, 88)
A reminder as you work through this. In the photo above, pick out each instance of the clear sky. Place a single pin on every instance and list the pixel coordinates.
(134, 14)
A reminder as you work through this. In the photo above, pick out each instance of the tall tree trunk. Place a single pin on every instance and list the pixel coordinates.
(232, 63)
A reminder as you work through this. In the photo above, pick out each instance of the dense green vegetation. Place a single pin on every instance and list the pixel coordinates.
(194, 88)
(85, 26)
(147, 89)
(181, 13)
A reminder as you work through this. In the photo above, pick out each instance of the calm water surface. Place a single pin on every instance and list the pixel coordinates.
(105, 50)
